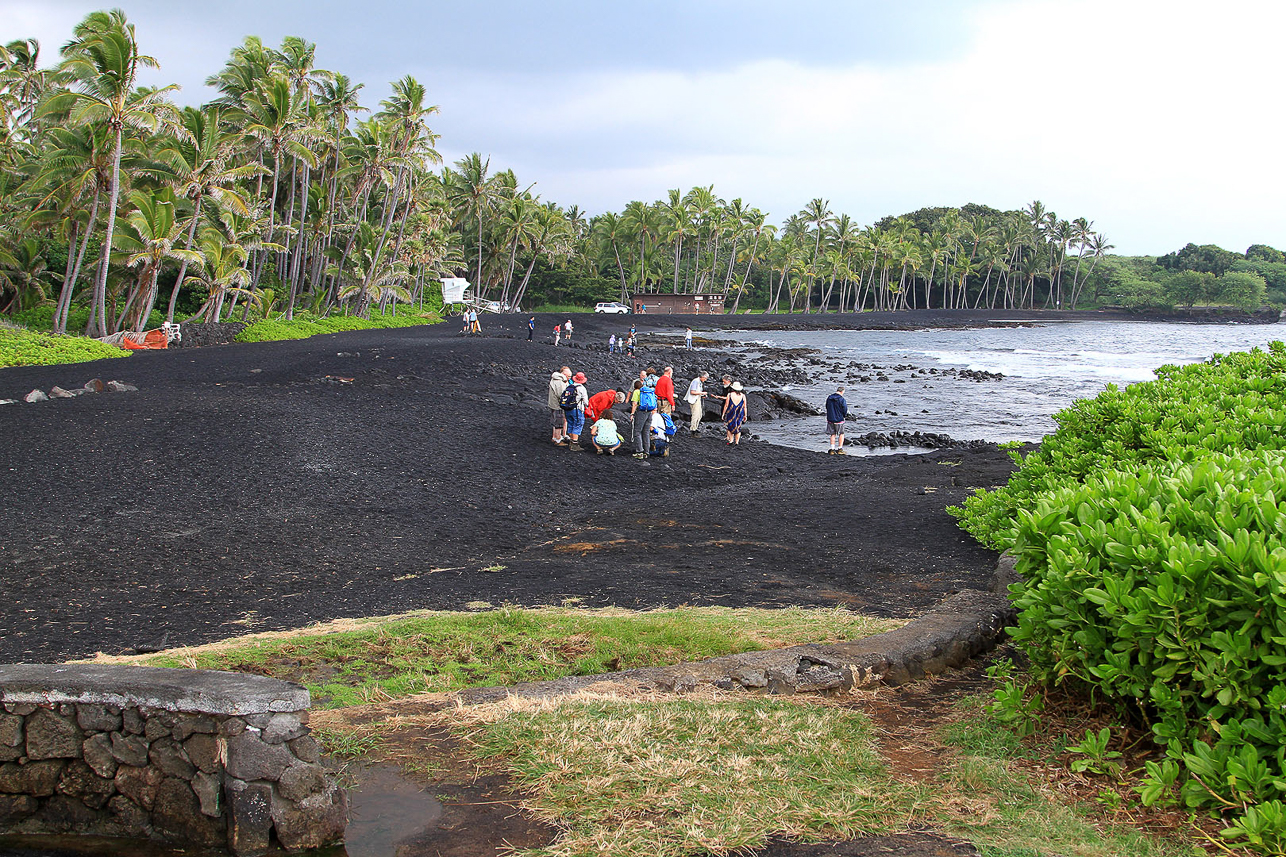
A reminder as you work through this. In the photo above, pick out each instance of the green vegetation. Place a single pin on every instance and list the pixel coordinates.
(676, 776)
(1150, 532)
(26, 348)
(303, 326)
(692, 776)
(115, 201)
(357, 661)
(1207, 276)
(1229, 403)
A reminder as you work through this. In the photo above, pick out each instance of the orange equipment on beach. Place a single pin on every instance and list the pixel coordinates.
(152, 339)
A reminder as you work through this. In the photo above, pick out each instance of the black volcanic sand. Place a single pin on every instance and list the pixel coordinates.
(242, 489)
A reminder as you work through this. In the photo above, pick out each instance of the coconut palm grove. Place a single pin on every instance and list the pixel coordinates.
(286, 195)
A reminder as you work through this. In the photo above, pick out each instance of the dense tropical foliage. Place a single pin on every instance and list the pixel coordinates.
(1150, 532)
(284, 194)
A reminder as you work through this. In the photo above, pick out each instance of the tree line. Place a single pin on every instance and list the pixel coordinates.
(284, 194)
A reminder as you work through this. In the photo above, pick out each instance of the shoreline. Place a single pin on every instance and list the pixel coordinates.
(240, 489)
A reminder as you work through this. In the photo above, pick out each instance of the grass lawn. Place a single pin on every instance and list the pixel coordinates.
(350, 662)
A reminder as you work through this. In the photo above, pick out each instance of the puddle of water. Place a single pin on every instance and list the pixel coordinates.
(383, 811)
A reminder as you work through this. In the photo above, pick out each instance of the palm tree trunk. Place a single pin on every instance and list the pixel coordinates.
(183, 269)
(97, 325)
(80, 257)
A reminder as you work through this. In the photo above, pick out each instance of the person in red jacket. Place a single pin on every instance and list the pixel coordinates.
(665, 391)
(601, 403)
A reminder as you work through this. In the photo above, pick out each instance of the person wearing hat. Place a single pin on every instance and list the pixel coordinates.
(576, 416)
(734, 413)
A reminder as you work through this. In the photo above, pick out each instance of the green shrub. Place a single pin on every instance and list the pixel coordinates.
(1164, 585)
(30, 348)
(1228, 403)
(42, 318)
(306, 324)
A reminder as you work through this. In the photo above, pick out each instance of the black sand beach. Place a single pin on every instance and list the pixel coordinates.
(247, 487)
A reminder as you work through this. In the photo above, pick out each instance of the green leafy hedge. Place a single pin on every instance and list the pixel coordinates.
(1228, 403)
(28, 348)
(303, 326)
(1165, 586)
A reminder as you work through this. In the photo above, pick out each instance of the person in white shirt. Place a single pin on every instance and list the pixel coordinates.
(696, 400)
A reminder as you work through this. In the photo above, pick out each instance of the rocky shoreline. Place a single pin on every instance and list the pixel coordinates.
(244, 488)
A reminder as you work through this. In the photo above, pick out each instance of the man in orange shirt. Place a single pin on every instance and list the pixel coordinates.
(665, 391)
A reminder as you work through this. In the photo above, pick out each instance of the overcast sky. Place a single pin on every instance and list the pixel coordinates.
(1159, 121)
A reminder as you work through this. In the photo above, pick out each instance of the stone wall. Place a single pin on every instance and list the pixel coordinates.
(190, 756)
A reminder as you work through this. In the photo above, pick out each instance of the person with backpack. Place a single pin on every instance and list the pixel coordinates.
(662, 433)
(557, 386)
(641, 410)
(573, 402)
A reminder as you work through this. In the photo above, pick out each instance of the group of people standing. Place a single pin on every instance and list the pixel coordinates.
(651, 400)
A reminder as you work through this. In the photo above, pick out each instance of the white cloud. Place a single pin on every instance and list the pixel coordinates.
(1155, 120)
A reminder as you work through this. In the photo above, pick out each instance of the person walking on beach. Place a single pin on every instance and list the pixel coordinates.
(558, 332)
(695, 398)
(836, 413)
(641, 411)
(611, 344)
(531, 328)
(687, 337)
(665, 391)
(734, 413)
(575, 398)
(568, 328)
(629, 345)
(557, 385)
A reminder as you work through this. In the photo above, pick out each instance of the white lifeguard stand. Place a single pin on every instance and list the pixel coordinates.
(453, 290)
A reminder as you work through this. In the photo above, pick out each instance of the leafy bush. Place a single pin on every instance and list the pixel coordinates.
(1165, 586)
(30, 348)
(42, 318)
(1228, 403)
(305, 325)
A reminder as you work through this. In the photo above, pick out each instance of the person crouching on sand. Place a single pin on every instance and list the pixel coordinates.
(604, 435)
(836, 413)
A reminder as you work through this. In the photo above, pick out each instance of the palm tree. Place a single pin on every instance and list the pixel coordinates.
(150, 238)
(817, 215)
(203, 168)
(223, 272)
(103, 60)
(472, 193)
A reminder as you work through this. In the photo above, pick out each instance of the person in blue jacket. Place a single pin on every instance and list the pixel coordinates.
(836, 413)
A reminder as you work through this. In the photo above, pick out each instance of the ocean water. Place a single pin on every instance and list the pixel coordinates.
(1045, 368)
